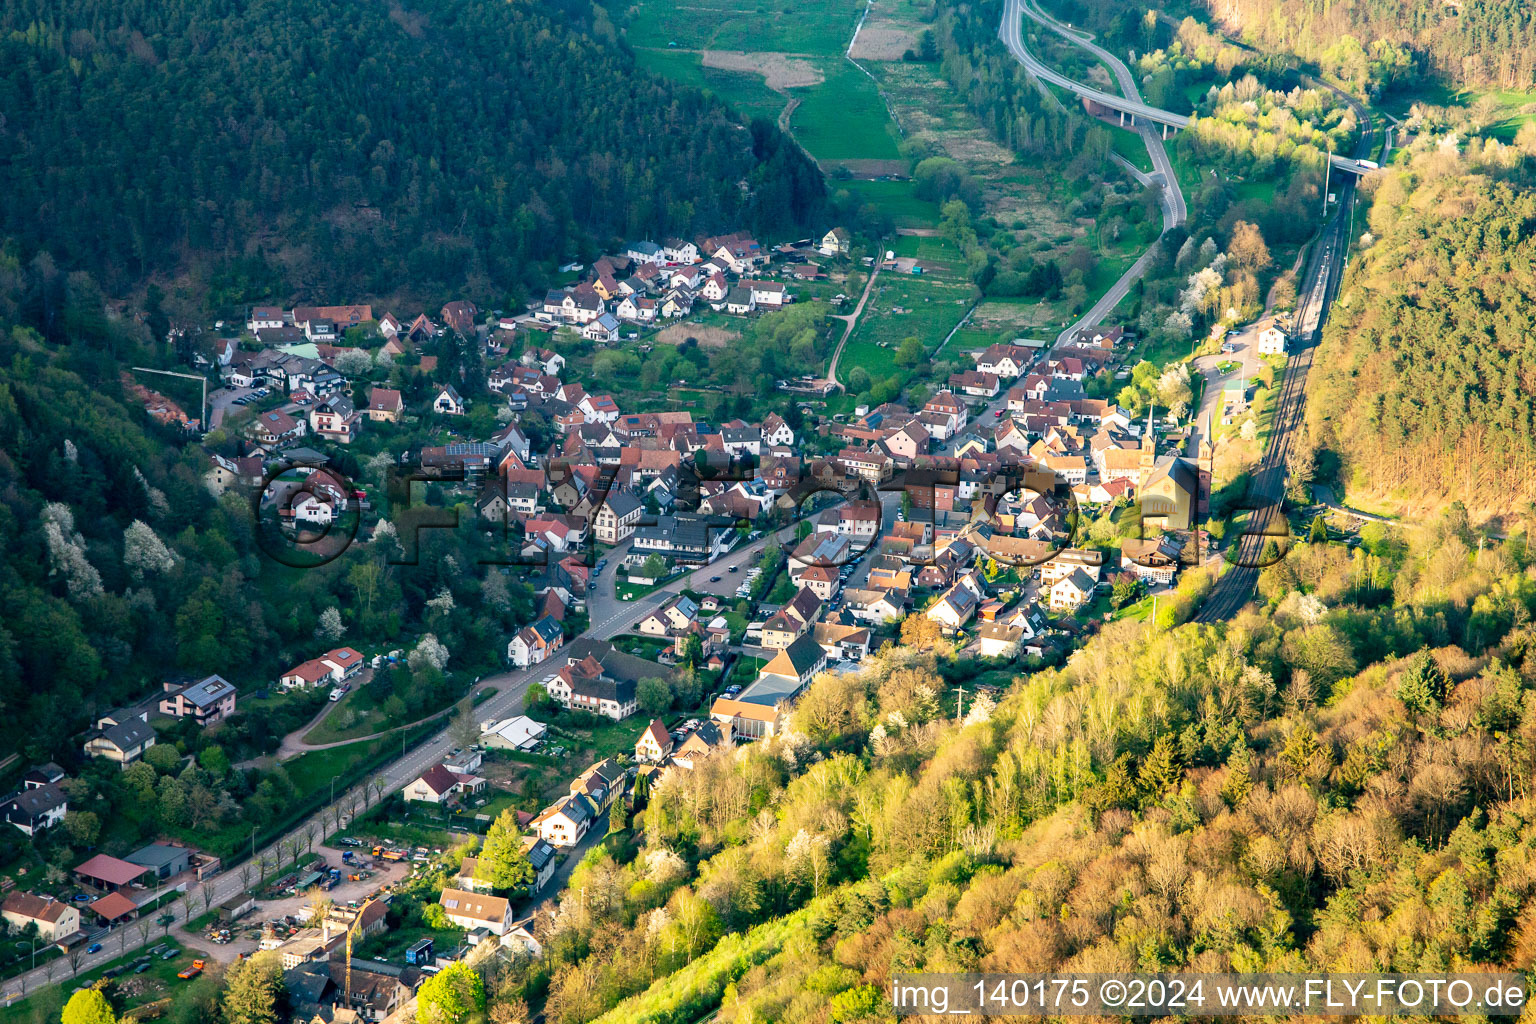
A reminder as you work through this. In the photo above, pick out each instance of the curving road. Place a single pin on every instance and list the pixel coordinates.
(1170, 197)
(1016, 10)
(608, 617)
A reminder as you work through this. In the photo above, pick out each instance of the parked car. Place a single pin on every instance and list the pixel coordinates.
(170, 954)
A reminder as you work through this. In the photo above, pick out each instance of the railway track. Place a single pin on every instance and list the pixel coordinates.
(1266, 492)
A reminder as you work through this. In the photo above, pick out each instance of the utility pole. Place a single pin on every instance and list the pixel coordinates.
(959, 704)
(1327, 174)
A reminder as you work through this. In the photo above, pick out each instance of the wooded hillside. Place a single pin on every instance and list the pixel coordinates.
(1422, 383)
(281, 148)
(1381, 43)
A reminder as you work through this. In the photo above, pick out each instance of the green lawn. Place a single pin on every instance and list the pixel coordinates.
(844, 117)
(128, 990)
(896, 198)
(1130, 145)
(796, 26)
(745, 91)
(904, 306)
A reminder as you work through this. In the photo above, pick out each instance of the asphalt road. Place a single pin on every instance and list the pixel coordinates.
(1014, 12)
(609, 617)
(1170, 197)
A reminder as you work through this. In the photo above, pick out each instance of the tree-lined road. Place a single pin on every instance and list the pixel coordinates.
(608, 617)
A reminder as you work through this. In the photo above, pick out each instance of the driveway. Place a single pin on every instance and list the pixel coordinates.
(385, 873)
(223, 400)
(1246, 356)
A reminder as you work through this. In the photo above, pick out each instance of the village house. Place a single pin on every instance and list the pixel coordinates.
(564, 823)
(472, 910)
(790, 622)
(276, 427)
(1005, 361)
(534, 643)
(835, 242)
(335, 419)
(121, 737)
(654, 744)
(331, 668)
(1272, 338)
(957, 605)
(265, 318)
(460, 316)
(385, 405)
(440, 785)
(224, 472)
(683, 538)
(767, 294)
(843, 642)
(776, 432)
(998, 640)
(55, 919)
(975, 383)
(36, 807)
(674, 617)
(617, 517)
(875, 606)
(584, 685)
(206, 701)
(1071, 591)
(448, 402)
(739, 301)
(714, 289)
(952, 412)
(1154, 560)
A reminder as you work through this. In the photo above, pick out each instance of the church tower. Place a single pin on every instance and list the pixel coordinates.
(1148, 452)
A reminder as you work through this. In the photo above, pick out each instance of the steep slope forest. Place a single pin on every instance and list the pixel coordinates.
(1381, 44)
(287, 149)
(1422, 383)
(1337, 781)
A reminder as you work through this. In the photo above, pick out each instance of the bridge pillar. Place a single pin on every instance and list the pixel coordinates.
(1165, 131)
(1122, 119)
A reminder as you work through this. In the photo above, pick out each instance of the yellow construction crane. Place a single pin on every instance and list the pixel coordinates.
(352, 928)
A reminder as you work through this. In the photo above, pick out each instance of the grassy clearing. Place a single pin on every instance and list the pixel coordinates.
(795, 26)
(128, 990)
(904, 307)
(1129, 144)
(897, 198)
(748, 93)
(844, 118)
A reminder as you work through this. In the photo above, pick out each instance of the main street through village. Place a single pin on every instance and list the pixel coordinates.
(608, 615)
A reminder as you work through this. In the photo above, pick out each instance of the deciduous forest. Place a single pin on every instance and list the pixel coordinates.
(1395, 43)
(1339, 781)
(1423, 380)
